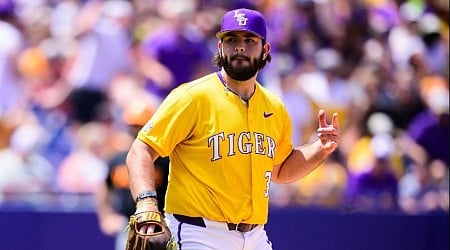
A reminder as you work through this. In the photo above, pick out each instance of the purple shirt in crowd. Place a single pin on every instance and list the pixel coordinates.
(432, 133)
(180, 54)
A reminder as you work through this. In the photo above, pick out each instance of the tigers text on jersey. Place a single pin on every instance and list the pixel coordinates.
(222, 151)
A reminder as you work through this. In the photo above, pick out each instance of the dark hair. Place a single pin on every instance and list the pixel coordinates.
(218, 60)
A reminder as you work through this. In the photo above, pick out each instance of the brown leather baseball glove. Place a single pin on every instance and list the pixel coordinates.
(161, 239)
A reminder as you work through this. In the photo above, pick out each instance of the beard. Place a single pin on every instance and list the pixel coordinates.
(241, 72)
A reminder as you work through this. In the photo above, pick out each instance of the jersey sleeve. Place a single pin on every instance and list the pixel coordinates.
(171, 124)
(284, 143)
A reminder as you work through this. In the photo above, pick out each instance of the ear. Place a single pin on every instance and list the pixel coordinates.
(266, 50)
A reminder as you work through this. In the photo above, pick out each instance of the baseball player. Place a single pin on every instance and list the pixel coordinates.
(227, 138)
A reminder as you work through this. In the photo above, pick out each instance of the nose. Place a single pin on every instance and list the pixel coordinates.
(239, 49)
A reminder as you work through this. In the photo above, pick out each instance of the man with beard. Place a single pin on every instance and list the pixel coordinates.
(227, 138)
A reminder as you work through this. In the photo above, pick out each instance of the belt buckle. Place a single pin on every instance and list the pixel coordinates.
(236, 229)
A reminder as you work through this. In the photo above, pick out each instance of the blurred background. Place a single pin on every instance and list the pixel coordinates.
(76, 76)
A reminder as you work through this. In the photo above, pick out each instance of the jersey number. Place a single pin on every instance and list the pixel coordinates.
(268, 176)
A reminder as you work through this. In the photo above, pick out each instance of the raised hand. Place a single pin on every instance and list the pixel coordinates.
(328, 134)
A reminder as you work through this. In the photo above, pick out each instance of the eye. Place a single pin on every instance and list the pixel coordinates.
(230, 39)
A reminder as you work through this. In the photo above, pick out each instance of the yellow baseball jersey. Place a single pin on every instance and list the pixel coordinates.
(222, 150)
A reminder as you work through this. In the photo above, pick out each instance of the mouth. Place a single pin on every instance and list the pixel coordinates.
(239, 58)
(241, 62)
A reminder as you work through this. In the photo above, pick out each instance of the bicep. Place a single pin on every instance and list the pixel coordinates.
(140, 150)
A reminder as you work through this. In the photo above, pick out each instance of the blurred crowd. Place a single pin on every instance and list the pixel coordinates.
(75, 73)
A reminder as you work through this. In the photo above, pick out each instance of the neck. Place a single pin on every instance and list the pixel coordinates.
(244, 89)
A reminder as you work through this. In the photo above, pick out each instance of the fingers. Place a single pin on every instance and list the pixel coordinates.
(328, 131)
(147, 229)
(322, 119)
(329, 141)
(328, 134)
(333, 137)
(335, 121)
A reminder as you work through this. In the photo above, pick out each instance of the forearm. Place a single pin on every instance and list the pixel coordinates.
(140, 168)
(300, 162)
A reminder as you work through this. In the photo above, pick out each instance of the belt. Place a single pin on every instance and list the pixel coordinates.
(198, 221)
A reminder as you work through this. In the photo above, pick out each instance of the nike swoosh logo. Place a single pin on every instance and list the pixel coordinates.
(267, 114)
